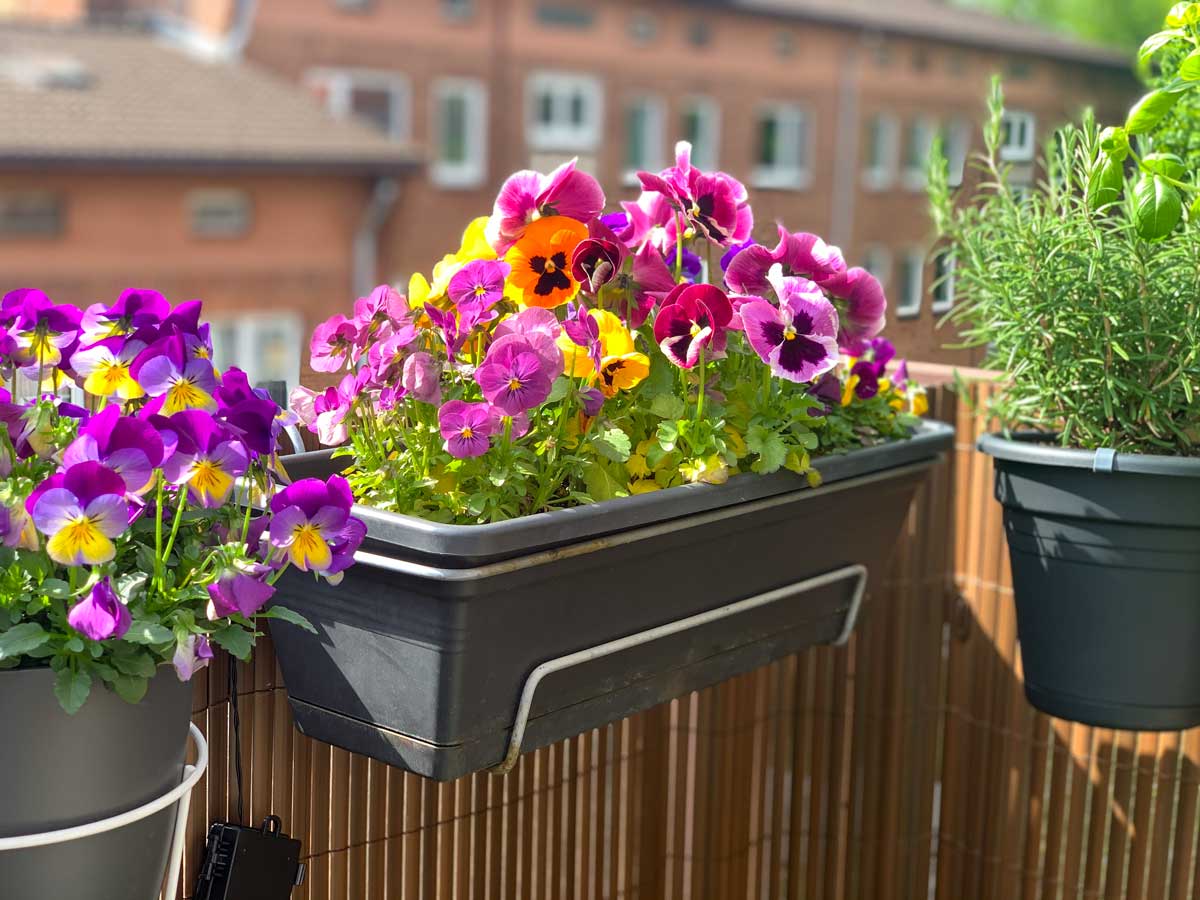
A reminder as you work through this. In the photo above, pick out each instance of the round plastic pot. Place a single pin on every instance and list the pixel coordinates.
(1105, 552)
(58, 771)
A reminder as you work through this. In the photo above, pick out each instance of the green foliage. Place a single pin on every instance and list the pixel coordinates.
(1086, 293)
(1115, 22)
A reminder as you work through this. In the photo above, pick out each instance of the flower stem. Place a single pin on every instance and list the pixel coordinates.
(700, 396)
(158, 534)
(179, 510)
(678, 246)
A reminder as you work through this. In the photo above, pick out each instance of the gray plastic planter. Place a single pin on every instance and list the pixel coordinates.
(423, 650)
(1105, 552)
(57, 771)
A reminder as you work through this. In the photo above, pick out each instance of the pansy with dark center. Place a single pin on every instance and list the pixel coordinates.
(512, 377)
(692, 318)
(541, 262)
(797, 339)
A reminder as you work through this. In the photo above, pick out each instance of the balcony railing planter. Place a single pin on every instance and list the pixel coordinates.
(422, 655)
(124, 558)
(1105, 552)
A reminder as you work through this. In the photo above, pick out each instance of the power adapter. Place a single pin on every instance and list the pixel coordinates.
(243, 863)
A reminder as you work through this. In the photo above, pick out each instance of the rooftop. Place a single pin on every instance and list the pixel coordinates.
(110, 96)
(941, 19)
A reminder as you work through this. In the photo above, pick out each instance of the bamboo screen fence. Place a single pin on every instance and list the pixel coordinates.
(905, 765)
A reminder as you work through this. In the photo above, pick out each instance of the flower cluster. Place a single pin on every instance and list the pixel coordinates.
(564, 355)
(129, 535)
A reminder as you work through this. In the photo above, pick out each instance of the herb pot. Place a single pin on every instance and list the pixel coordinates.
(61, 770)
(1105, 552)
(422, 652)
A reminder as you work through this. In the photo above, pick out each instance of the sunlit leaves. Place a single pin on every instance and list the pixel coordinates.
(1157, 207)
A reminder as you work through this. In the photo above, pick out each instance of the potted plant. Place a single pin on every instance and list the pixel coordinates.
(546, 440)
(125, 558)
(1085, 290)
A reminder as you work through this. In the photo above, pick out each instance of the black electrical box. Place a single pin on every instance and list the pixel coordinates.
(242, 863)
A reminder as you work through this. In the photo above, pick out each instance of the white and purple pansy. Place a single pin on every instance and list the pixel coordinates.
(80, 511)
(798, 338)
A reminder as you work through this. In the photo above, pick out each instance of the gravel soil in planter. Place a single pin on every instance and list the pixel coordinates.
(1105, 552)
(421, 653)
(58, 771)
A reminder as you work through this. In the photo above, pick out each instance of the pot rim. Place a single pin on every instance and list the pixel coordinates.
(1030, 448)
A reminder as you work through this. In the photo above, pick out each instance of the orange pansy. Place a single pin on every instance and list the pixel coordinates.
(541, 262)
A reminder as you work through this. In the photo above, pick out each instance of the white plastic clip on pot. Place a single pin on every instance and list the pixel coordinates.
(1105, 460)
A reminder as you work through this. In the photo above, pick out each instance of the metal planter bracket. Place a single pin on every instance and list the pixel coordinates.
(856, 573)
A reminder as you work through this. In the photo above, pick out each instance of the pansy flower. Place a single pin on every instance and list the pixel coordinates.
(380, 314)
(80, 511)
(598, 258)
(132, 448)
(583, 331)
(421, 377)
(529, 196)
(105, 368)
(167, 370)
(334, 343)
(540, 329)
(714, 204)
(250, 413)
(100, 615)
(478, 283)
(191, 655)
(797, 253)
(693, 317)
(541, 262)
(207, 458)
(797, 339)
(134, 310)
(861, 304)
(466, 428)
(42, 331)
(239, 589)
(622, 367)
(386, 356)
(311, 522)
(513, 378)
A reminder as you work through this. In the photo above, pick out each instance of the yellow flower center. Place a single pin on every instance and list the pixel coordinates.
(789, 333)
(209, 480)
(550, 266)
(184, 395)
(80, 541)
(480, 290)
(467, 433)
(696, 329)
(514, 384)
(200, 353)
(112, 377)
(309, 550)
(695, 210)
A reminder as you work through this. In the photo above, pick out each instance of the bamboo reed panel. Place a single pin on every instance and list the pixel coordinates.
(905, 766)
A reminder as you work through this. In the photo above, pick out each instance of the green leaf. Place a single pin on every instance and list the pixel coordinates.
(668, 435)
(130, 688)
(560, 389)
(612, 443)
(129, 585)
(1189, 69)
(236, 640)
(1156, 42)
(56, 588)
(1105, 183)
(1183, 14)
(1149, 111)
(667, 406)
(128, 660)
(1166, 164)
(600, 485)
(21, 639)
(1157, 207)
(771, 450)
(288, 615)
(1194, 209)
(141, 632)
(1114, 141)
(72, 687)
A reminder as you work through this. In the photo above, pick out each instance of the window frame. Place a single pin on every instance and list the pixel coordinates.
(656, 135)
(558, 136)
(1026, 150)
(881, 176)
(472, 172)
(711, 121)
(195, 198)
(451, 11)
(884, 252)
(780, 178)
(914, 176)
(339, 85)
(912, 265)
(247, 327)
(53, 198)
(943, 281)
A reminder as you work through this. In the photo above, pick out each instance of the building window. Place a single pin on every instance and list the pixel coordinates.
(219, 213)
(785, 44)
(956, 142)
(29, 214)
(1020, 70)
(354, 5)
(917, 142)
(567, 15)
(382, 99)
(265, 345)
(643, 27)
(699, 33)
(880, 169)
(457, 10)
(943, 282)
(877, 259)
(564, 111)
(644, 137)
(782, 159)
(459, 130)
(701, 126)
(1017, 136)
(912, 284)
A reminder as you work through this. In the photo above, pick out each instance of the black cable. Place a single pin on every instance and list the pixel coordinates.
(237, 736)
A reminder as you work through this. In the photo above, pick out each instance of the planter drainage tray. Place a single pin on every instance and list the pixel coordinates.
(445, 664)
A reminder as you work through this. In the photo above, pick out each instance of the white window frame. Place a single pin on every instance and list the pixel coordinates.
(1021, 150)
(913, 266)
(710, 125)
(246, 328)
(457, 10)
(883, 259)
(943, 282)
(881, 175)
(199, 197)
(472, 171)
(339, 85)
(957, 137)
(785, 177)
(914, 175)
(52, 199)
(656, 129)
(563, 135)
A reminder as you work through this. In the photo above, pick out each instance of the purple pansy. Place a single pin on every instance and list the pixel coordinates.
(797, 253)
(101, 614)
(715, 205)
(466, 428)
(382, 313)
(478, 283)
(797, 339)
(132, 448)
(513, 377)
(135, 309)
(386, 357)
(871, 367)
(207, 458)
(692, 317)
(311, 521)
(239, 590)
(168, 371)
(584, 331)
(334, 344)
(598, 258)
(862, 305)
(539, 328)
(250, 413)
(422, 378)
(191, 655)
(80, 511)
(527, 195)
(591, 400)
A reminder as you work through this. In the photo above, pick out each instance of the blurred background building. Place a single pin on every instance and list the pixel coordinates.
(277, 157)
